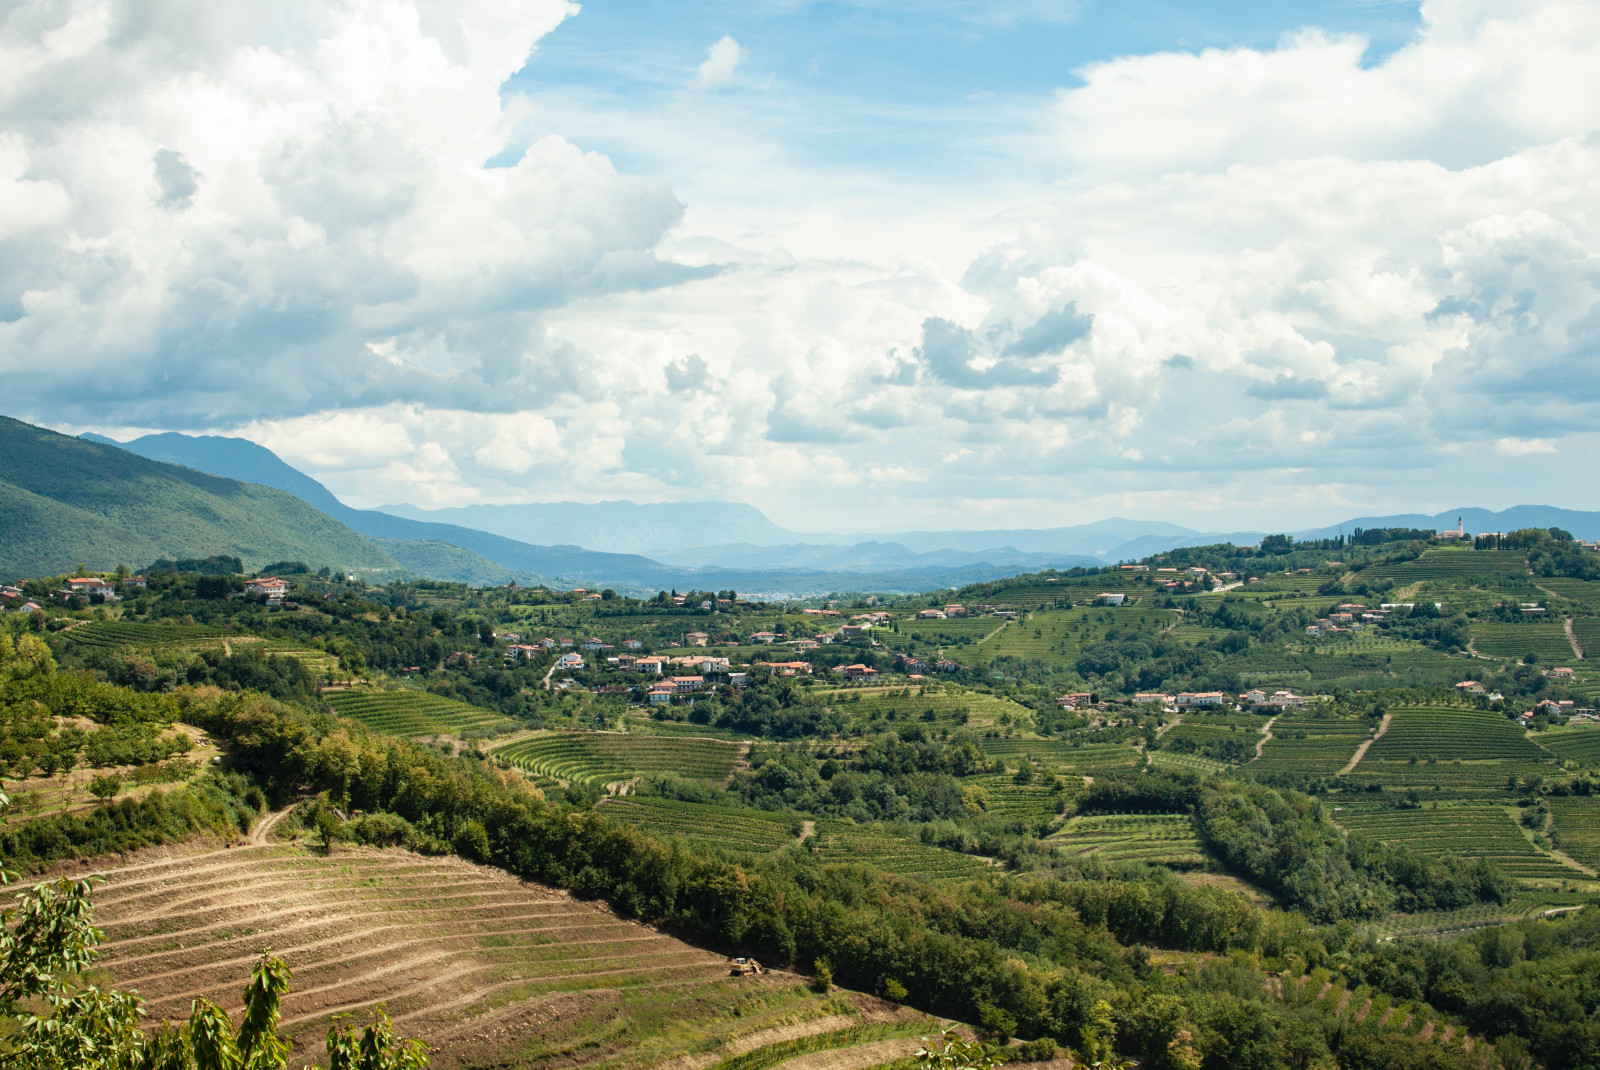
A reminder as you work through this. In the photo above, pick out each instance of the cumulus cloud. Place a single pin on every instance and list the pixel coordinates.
(1294, 277)
(722, 60)
(231, 216)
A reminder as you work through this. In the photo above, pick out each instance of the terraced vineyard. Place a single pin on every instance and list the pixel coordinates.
(1575, 827)
(600, 757)
(1456, 566)
(732, 829)
(1038, 802)
(841, 843)
(1545, 638)
(1090, 758)
(1587, 630)
(1311, 744)
(1580, 744)
(938, 708)
(489, 969)
(110, 633)
(1467, 830)
(1449, 733)
(1164, 839)
(410, 713)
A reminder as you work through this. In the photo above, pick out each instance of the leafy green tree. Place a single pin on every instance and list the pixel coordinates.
(105, 788)
(950, 1051)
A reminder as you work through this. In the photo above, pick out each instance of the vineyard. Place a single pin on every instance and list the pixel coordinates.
(1456, 566)
(410, 713)
(488, 969)
(113, 633)
(1547, 639)
(1580, 744)
(938, 708)
(1091, 758)
(1311, 744)
(1039, 802)
(1158, 839)
(1450, 733)
(1576, 827)
(1587, 631)
(841, 843)
(1470, 831)
(602, 757)
(731, 829)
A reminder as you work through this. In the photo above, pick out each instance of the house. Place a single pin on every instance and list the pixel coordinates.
(788, 668)
(570, 661)
(910, 664)
(822, 612)
(660, 695)
(1254, 697)
(1314, 631)
(804, 644)
(624, 662)
(824, 639)
(763, 637)
(695, 639)
(738, 679)
(1111, 598)
(1278, 701)
(522, 651)
(931, 614)
(684, 684)
(946, 666)
(30, 607)
(136, 582)
(1135, 568)
(1560, 673)
(955, 611)
(1074, 699)
(592, 644)
(460, 657)
(856, 672)
(632, 644)
(1152, 698)
(1194, 570)
(1192, 699)
(564, 642)
(705, 604)
(852, 631)
(1533, 608)
(270, 586)
(652, 664)
(89, 586)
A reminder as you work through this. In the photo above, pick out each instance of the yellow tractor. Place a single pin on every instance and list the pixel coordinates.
(743, 967)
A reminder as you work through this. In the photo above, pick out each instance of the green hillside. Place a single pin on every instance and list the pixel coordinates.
(64, 501)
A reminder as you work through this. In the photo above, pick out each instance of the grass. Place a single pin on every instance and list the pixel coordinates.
(603, 757)
(411, 713)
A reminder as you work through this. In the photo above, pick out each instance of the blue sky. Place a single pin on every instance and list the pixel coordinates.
(868, 265)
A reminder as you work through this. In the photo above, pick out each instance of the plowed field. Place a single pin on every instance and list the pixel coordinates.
(488, 969)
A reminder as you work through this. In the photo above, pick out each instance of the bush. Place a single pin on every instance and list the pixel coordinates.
(1038, 1051)
(822, 977)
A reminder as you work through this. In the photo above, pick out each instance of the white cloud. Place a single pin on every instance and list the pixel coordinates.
(1288, 278)
(722, 60)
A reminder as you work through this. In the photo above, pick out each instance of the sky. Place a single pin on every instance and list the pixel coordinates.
(867, 264)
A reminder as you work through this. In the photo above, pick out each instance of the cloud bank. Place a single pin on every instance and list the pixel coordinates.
(1256, 284)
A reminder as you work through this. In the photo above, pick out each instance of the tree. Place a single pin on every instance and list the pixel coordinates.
(105, 788)
(50, 1023)
(950, 1052)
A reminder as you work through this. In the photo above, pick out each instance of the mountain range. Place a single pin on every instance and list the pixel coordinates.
(209, 494)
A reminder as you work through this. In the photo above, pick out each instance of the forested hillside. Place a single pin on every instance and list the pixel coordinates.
(65, 501)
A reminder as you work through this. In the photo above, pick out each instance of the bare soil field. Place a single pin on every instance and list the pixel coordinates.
(487, 969)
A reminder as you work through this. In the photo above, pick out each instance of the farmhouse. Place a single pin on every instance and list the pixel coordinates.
(910, 664)
(763, 637)
(661, 694)
(856, 672)
(592, 644)
(270, 586)
(931, 614)
(570, 661)
(685, 684)
(852, 631)
(788, 668)
(1111, 598)
(91, 585)
(946, 666)
(955, 611)
(1192, 699)
(1074, 699)
(136, 582)
(1152, 698)
(1560, 673)
(695, 639)
(632, 644)
(651, 664)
